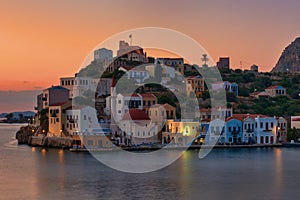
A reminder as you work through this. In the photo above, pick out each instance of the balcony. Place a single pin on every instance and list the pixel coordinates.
(235, 132)
(267, 130)
(72, 120)
(53, 115)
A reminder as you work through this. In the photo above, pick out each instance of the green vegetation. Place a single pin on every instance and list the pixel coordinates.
(293, 134)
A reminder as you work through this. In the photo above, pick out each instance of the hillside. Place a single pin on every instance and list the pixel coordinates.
(289, 60)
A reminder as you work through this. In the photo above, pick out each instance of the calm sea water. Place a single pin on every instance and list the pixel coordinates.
(36, 173)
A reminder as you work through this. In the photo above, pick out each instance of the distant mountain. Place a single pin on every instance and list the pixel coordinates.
(289, 60)
(16, 115)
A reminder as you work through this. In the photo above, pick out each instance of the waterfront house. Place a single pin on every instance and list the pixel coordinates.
(281, 129)
(159, 113)
(180, 132)
(57, 119)
(265, 130)
(233, 131)
(137, 128)
(216, 131)
(81, 119)
(54, 95)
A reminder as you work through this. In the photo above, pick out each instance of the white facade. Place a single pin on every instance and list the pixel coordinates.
(124, 102)
(249, 130)
(265, 130)
(80, 120)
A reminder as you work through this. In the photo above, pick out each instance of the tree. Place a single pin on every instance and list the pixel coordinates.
(231, 97)
(293, 134)
(244, 92)
(9, 116)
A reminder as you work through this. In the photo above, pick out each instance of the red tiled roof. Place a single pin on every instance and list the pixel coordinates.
(244, 116)
(296, 119)
(135, 114)
(130, 95)
(272, 87)
(148, 95)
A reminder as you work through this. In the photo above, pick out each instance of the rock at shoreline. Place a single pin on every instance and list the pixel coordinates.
(55, 142)
(24, 134)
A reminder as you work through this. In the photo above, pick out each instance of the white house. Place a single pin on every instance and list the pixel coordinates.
(180, 132)
(81, 120)
(137, 128)
(266, 130)
(124, 102)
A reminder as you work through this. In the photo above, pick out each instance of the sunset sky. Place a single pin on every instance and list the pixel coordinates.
(41, 41)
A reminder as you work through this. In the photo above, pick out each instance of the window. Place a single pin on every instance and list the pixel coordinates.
(272, 124)
(57, 119)
(229, 129)
(84, 117)
(119, 102)
(261, 125)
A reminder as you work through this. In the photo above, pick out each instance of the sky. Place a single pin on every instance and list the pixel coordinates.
(41, 41)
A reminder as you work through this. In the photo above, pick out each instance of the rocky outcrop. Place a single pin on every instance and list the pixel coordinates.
(55, 142)
(289, 60)
(24, 134)
(59, 142)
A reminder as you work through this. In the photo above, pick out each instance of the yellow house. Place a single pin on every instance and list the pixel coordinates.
(195, 84)
(181, 133)
(57, 119)
(148, 101)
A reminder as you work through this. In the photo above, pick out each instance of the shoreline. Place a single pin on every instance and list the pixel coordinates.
(193, 147)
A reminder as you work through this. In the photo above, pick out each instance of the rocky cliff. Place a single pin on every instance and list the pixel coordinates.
(289, 60)
(24, 134)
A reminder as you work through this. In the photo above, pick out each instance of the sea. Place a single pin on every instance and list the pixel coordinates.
(39, 173)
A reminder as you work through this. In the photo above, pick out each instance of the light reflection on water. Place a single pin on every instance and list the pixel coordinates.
(39, 173)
